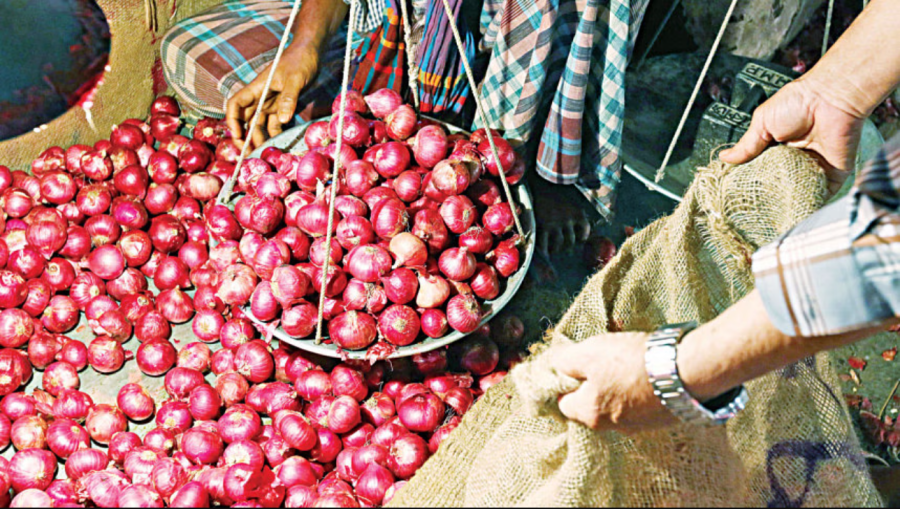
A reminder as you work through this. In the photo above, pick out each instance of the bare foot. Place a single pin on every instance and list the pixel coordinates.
(561, 218)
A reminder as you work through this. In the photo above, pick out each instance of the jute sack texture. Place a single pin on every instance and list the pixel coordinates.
(133, 80)
(793, 446)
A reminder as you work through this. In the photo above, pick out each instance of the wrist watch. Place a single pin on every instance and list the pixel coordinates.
(662, 368)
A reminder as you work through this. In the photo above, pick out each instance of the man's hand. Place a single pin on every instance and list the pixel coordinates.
(296, 69)
(800, 116)
(615, 393)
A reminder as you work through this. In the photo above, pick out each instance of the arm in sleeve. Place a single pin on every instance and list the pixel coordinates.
(839, 270)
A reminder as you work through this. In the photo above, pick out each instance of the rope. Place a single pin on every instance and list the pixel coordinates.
(337, 166)
(410, 58)
(828, 19)
(661, 172)
(490, 136)
(225, 193)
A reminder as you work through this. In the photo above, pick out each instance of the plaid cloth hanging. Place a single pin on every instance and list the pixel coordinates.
(442, 82)
(557, 73)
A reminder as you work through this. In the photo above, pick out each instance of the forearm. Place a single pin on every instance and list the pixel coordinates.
(863, 66)
(742, 344)
(317, 21)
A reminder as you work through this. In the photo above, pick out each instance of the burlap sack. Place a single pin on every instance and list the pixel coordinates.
(133, 80)
(793, 446)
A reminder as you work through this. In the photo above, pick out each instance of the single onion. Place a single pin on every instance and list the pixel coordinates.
(429, 226)
(399, 325)
(353, 330)
(378, 409)
(458, 213)
(175, 305)
(239, 422)
(135, 403)
(29, 431)
(463, 313)
(174, 415)
(505, 257)
(232, 387)
(383, 102)
(317, 135)
(32, 469)
(389, 218)
(299, 320)
(408, 454)
(401, 123)
(360, 176)
(156, 357)
(85, 461)
(104, 421)
(65, 436)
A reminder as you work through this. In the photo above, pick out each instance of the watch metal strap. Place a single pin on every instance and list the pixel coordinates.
(662, 369)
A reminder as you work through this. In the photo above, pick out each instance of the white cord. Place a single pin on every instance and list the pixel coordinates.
(337, 165)
(410, 58)
(225, 193)
(661, 172)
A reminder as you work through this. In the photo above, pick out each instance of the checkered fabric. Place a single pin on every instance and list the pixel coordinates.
(209, 57)
(839, 270)
(557, 72)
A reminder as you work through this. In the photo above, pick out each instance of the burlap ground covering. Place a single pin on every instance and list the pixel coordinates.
(132, 82)
(793, 446)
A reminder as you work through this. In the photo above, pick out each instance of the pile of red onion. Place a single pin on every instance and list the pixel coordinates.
(422, 237)
(422, 234)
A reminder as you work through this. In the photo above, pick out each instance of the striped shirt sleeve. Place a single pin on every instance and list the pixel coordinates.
(839, 270)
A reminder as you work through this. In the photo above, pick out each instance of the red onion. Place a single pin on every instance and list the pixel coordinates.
(440, 435)
(254, 361)
(73, 405)
(360, 177)
(239, 422)
(504, 150)
(236, 332)
(17, 203)
(16, 327)
(388, 433)
(32, 469)
(194, 156)
(344, 465)
(421, 412)
(103, 229)
(237, 285)
(160, 198)
(383, 102)
(408, 186)
(463, 313)
(152, 325)
(354, 231)
(26, 262)
(175, 305)
(58, 376)
(29, 432)
(65, 436)
(498, 219)
(459, 399)
(350, 206)
(244, 451)
(450, 178)
(477, 240)
(429, 226)
(369, 263)
(222, 361)
(135, 403)
(213, 480)
(373, 483)
(458, 213)
(344, 414)
(139, 496)
(205, 299)
(432, 362)
(85, 461)
(207, 326)
(162, 168)
(57, 187)
(105, 355)
(204, 403)
(359, 296)
(299, 321)
(401, 123)
(131, 283)
(161, 440)
(167, 477)
(389, 218)
(313, 168)
(408, 454)
(174, 415)
(598, 251)
(378, 409)
(505, 257)
(46, 237)
(478, 355)
(106, 262)
(353, 103)
(192, 494)
(328, 447)
(61, 314)
(16, 405)
(156, 357)
(399, 325)
(167, 233)
(356, 129)
(345, 381)
(358, 436)
(313, 384)
(378, 194)
(352, 330)
(313, 218)
(289, 285)
(317, 135)
(104, 421)
(121, 444)
(85, 287)
(187, 208)
(401, 285)
(335, 281)
(485, 282)
(296, 240)
(77, 247)
(408, 250)
(195, 356)
(391, 159)
(104, 486)
(136, 247)
(296, 471)
(263, 304)
(232, 387)
(42, 348)
(180, 382)
(165, 105)
(114, 324)
(297, 432)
